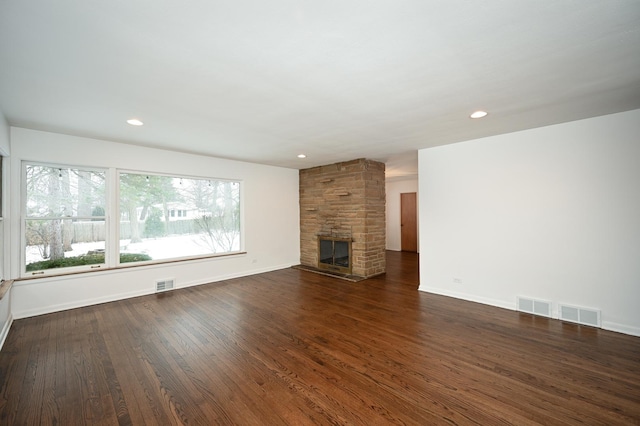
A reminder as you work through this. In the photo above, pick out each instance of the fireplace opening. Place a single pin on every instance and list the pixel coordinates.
(334, 254)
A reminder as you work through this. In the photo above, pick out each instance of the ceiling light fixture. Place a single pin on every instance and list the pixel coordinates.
(302, 156)
(479, 114)
(135, 122)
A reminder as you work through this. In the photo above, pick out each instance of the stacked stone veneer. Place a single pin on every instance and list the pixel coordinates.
(345, 200)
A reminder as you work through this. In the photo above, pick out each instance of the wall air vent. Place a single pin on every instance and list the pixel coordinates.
(584, 316)
(164, 285)
(535, 307)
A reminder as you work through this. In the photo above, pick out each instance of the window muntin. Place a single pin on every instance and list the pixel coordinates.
(64, 219)
(167, 217)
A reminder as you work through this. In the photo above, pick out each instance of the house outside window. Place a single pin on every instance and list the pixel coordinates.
(169, 217)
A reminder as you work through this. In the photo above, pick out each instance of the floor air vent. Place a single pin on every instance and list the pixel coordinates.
(164, 285)
(585, 316)
(536, 307)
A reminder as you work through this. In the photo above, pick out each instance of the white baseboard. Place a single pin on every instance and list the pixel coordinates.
(79, 304)
(621, 328)
(470, 297)
(606, 325)
(232, 276)
(5, 330)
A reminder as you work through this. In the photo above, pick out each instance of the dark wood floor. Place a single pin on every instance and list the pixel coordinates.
(294, 347)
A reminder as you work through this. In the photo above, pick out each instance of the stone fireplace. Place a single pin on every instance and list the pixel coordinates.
(342, 218)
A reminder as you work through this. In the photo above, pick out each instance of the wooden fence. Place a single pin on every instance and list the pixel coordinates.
(91, 231)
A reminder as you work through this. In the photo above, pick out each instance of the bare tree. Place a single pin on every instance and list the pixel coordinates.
(56, 250)
(38, 234)
(220, 225)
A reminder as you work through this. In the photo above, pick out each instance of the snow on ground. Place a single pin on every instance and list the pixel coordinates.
(157, 248)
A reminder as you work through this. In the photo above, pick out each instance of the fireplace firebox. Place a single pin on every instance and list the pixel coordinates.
(334, 254)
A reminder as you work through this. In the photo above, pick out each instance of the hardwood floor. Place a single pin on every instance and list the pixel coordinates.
(294, 347)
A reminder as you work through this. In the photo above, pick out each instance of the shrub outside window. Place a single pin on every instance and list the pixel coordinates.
(168, 217)
(64, 218)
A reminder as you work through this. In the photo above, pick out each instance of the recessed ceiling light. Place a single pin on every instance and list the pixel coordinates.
(135, 122)
(302, 156)
(479, 114)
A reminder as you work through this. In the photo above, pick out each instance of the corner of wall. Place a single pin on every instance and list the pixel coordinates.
(6, 317)
(548, 212)
(5, 330)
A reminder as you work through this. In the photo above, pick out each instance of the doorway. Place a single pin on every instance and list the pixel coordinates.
(408, 222)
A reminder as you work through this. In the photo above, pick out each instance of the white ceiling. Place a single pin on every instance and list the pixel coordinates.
(263, 81)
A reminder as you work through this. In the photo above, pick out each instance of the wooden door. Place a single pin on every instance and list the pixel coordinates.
(408, 222)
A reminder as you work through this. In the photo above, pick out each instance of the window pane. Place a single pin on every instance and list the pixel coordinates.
(64, 217)
(64, 192)
(61, 243)
(165, 217)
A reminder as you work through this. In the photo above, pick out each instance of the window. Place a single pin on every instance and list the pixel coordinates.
(167, 217)
(1, 219)
(64, 218)
(1, 177)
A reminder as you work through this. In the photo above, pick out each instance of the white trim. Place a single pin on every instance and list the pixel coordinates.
(621, 328)
(5, 230)
(469, 297)
(5, 330)
(606, 325)
(234, 275)
(80, 304)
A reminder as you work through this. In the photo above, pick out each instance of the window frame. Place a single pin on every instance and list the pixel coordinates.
(24, 218)
(116, 213)
(112, 221)
(3, 169)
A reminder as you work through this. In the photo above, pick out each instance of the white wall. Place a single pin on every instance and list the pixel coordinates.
(4, 135)
(270, 206)
(550, 213)
(394, 188)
